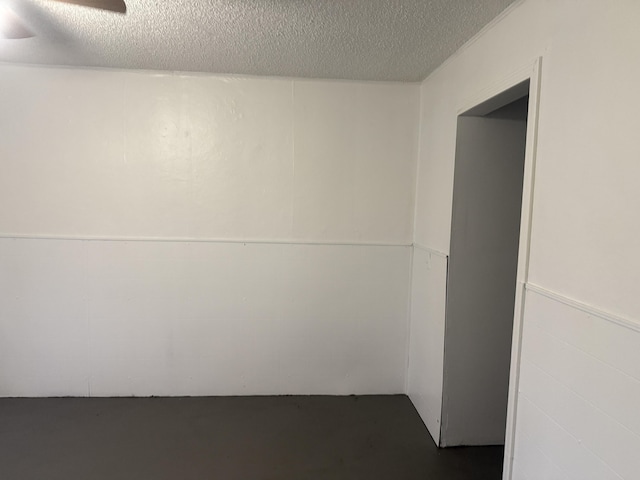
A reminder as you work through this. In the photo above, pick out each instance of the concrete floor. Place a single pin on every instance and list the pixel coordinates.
(244, 438)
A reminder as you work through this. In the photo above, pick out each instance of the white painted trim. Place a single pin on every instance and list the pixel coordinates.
(533, 73)
(438, 253)
(505, 83)
(629, 323)
(80, 238)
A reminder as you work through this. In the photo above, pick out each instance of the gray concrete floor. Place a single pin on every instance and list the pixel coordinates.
(252, 438)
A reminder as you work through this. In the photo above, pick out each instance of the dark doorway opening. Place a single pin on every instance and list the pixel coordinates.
(483, 263)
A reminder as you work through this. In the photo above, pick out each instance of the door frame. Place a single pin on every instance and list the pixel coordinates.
(532, 72)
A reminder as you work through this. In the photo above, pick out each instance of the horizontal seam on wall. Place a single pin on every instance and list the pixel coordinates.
(610, 317)
(430, 250)
(79, 238)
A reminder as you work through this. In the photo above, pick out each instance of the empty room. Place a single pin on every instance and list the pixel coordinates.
(338, 239)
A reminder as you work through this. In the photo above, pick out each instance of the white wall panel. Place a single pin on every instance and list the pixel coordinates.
(136, 154)
(531, 463)
(201, 318)
(346, 144)
(582, 384)
(605, 387)
(207, 157)
(559, 445)
(139, 175)
(43, 318)
(61, 150)
(426, 345)
(612, 441)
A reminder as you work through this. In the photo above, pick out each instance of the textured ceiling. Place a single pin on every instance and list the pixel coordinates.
(402, 40)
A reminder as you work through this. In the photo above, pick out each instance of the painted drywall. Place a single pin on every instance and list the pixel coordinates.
(426, 343)
(579, 393)
(135, 154)
(120, 193)
(114, 318)
(481, 286)
(583, 241)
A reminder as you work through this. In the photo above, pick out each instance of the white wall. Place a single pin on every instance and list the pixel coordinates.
(122, 154)
(579, 393)
(426, 343)
(584, 237)
(119, 194)
(109, 318)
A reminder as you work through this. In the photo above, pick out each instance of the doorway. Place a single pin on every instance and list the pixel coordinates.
(483, 266)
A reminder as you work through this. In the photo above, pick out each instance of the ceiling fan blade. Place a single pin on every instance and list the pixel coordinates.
(11, 26)
(117, 6)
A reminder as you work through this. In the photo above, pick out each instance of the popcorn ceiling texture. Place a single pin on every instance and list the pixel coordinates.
(395, 40)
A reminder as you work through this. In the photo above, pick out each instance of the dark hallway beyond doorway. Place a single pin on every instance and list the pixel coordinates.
(252, 438)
